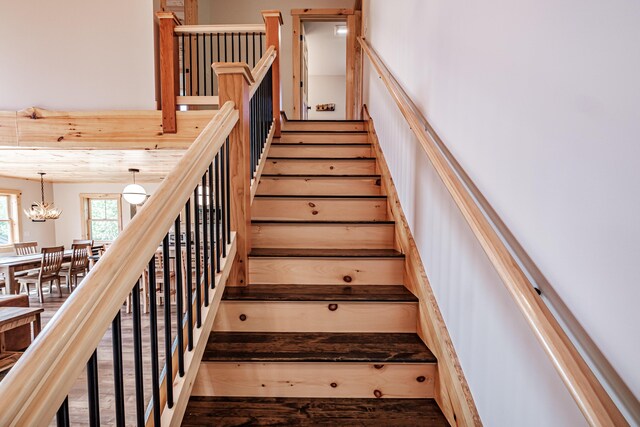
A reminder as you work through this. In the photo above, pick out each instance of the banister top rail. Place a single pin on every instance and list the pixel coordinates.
(261, 68)
(589, 394)
(220, 29)
(37, 385)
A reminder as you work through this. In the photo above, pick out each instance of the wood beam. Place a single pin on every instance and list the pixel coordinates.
(99, 130)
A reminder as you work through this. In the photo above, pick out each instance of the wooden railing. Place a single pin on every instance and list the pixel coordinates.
(209, 194)
(187, 52)
(589, 394)
(36, 387)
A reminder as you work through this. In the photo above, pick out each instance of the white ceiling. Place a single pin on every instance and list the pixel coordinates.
(327, 52)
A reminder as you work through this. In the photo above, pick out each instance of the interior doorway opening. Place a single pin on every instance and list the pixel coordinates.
(323, 66)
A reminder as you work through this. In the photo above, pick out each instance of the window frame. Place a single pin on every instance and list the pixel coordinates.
(15, 219)
(85, 201)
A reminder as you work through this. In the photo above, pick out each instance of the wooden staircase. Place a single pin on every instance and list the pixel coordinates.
(325, 334)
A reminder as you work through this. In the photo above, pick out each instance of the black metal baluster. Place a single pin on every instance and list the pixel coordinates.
(253, 36)
(197, 65)
(179, 294)
(184, 67)
(137, 353)
(93, 391)
(62, 416)
(261, 41)
(224, 189)
(196, 215)
(205, 241)
(218, 47)
(246, 49)
(189, 278)
(233, 49)
(189, 69)
(213, 225)
(168, 356)
(228, 194)
(239, 47)
(153, 331)
(225, 47)
(118, 381)
(216, 161)
(209, 70)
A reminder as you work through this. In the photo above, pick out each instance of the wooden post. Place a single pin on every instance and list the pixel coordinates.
(273, 22)
(168, 70)
(234, 80)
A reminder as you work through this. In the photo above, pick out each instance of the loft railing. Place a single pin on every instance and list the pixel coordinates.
(591, 397)
(187, 52)
(199, 46)
(208, 196)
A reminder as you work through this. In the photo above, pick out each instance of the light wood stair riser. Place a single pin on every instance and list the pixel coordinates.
(326, 271)
(317, 151)
(319, 186)
(323, 138)
(280, 166)
(318, 209)
(292, 379)
(319, 126)
(316, 316)
(322, 236)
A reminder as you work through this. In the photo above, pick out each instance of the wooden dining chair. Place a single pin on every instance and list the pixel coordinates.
(26, 248)
(49, 272)
(79, 265)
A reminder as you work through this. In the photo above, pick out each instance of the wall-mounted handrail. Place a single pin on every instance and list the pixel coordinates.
(36, 387)
(589, 394)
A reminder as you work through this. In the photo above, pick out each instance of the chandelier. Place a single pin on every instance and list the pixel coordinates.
(42, 211)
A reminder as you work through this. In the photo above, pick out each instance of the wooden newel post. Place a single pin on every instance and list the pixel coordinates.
(234, 79)
(169, 82)
(273, 22)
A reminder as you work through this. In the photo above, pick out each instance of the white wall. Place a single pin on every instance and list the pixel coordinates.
(540, 104)
(41, 232)
(324, 90)
(248, 12)
(67, 196)
(77, 54)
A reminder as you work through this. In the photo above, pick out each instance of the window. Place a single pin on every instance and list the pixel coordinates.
(103, 216)
(9, 217)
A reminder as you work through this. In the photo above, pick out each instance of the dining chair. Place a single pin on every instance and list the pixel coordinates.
(26, 248)
(79, 265)
(49, 272)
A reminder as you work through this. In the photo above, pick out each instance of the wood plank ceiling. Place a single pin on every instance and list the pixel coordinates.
(88, 165)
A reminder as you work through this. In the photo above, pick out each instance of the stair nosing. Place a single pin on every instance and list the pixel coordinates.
(314, 293)
(272, 175)
(336, 253)
(350, 159)
(304, 196)
(314, 222)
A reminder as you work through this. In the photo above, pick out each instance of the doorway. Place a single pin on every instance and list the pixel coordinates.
(326, 58)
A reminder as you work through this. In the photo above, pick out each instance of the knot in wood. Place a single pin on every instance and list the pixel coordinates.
(333, 307)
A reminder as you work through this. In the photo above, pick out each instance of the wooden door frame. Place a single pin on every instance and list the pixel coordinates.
(353, 18)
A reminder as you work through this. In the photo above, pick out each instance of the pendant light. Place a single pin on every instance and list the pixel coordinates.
(134, 193)
(42, 211)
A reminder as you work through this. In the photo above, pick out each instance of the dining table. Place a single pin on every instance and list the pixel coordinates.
(11, 265)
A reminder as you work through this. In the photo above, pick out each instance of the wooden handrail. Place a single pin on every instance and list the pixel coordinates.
(35, 388)
(596, 405)
(220, 29)
(261, 69)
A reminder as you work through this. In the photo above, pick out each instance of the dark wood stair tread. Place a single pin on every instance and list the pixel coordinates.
(328, 132)
(339, 293)
(324, 159)
(270, 411)
(304, 221)
(312, 197)
(329, 253)
(327, 144)
(379, 348)
(272, 175)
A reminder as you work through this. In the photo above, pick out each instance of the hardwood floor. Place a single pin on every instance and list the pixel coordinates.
(78, 403)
